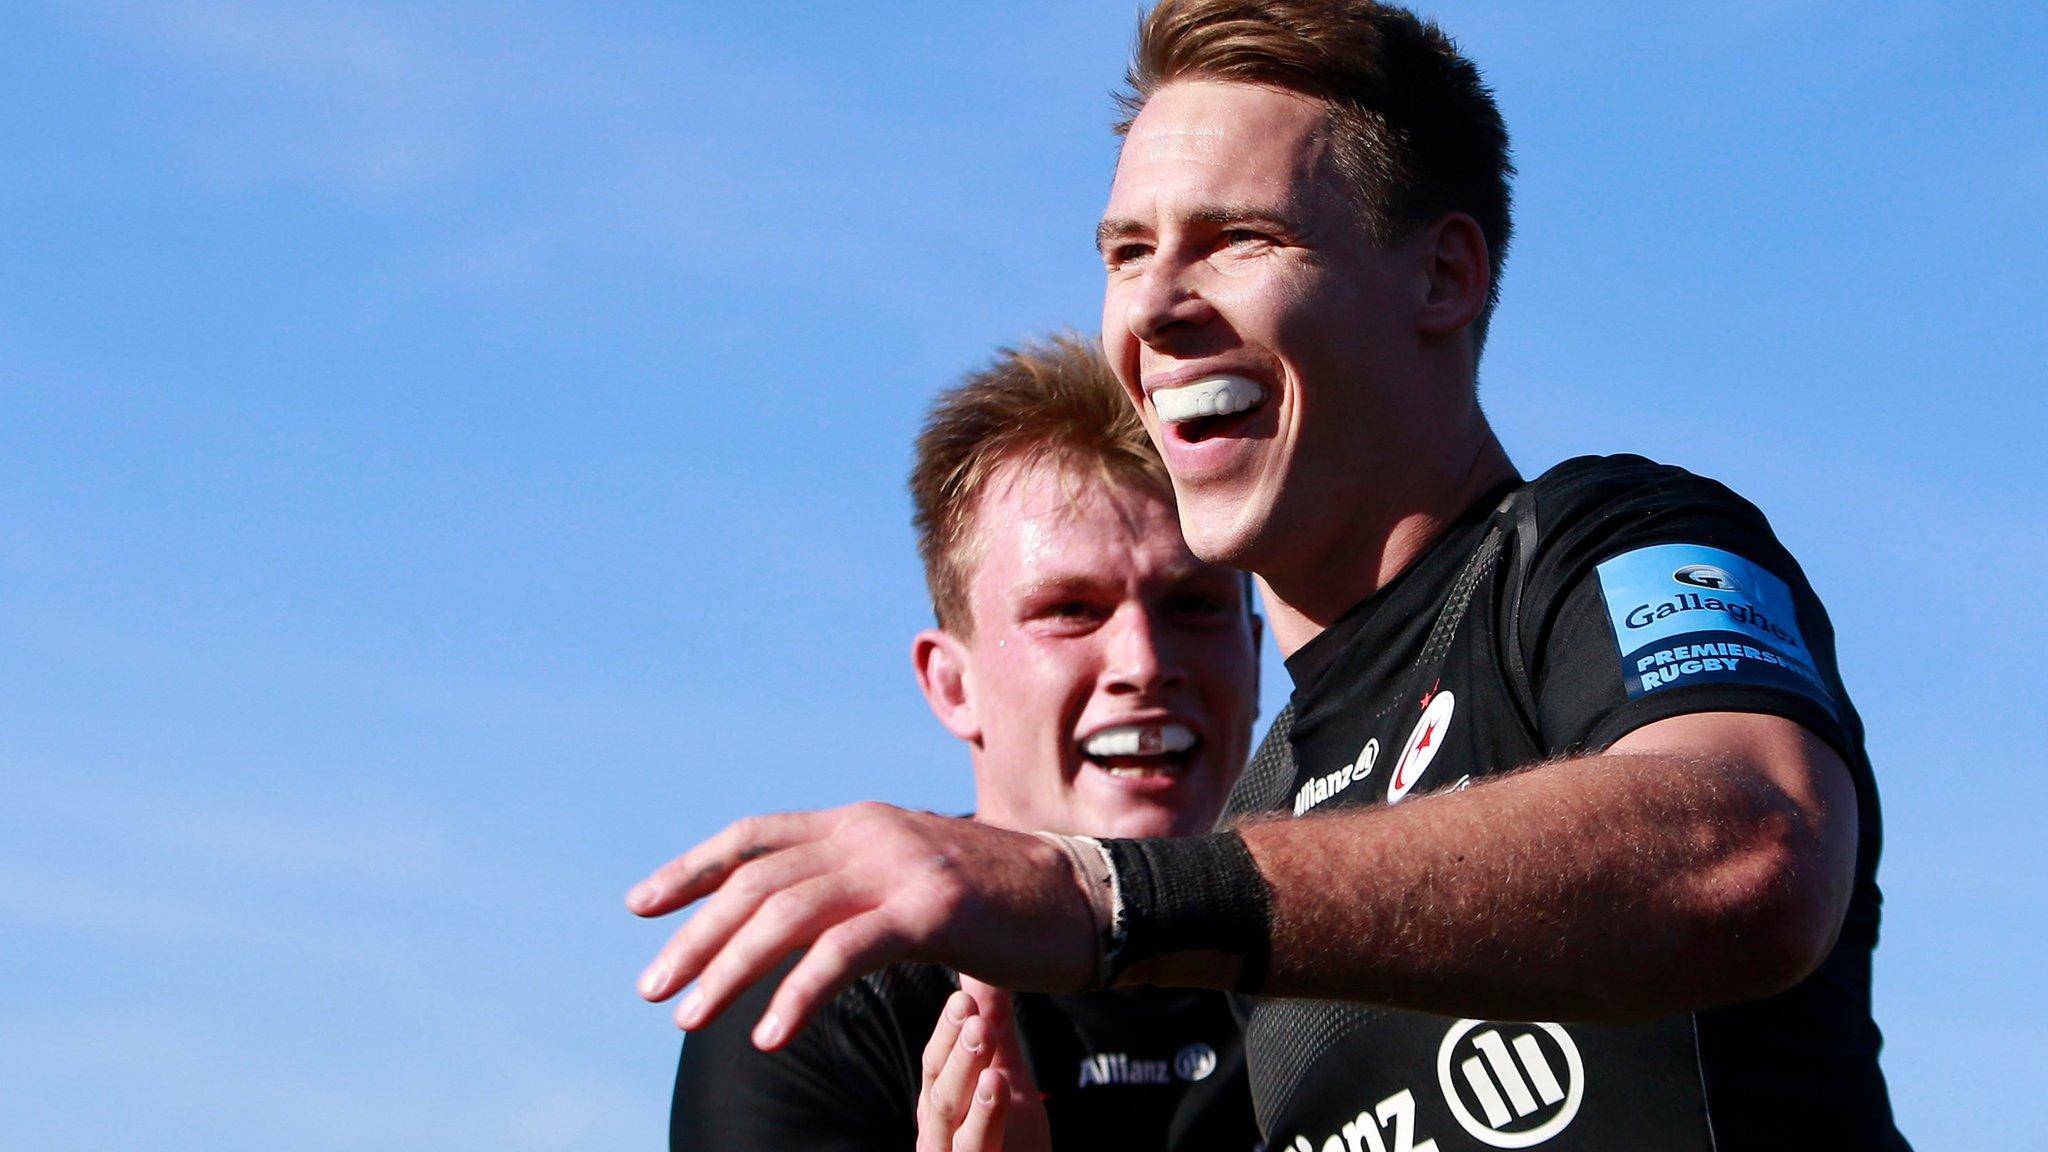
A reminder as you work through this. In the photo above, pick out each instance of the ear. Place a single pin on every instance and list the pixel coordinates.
(1459, 275)
(941, 662)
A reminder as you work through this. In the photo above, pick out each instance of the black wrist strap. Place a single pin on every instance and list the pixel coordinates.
(1188, 905)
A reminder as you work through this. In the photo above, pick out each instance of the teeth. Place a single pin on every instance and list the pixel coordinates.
(1209, 396)
(1140, 740)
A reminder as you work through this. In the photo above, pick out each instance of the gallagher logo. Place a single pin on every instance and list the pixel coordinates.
(1422, 745)
(1708, 576)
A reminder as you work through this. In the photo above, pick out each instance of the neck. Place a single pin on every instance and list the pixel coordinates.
(1365, 552)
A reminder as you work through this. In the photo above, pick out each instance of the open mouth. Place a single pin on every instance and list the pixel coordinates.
(1139, 751)
(1207, 407)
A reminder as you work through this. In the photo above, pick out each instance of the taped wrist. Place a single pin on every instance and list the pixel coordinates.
(1189, 910)
(1092, 873)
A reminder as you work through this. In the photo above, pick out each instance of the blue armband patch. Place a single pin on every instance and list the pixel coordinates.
(1689, 614)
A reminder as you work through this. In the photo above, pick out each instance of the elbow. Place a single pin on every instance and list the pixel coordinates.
(1776, 908)
(1787, 941)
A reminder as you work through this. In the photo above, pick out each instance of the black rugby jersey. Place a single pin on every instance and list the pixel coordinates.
(1608, 594)
(1130, 1070)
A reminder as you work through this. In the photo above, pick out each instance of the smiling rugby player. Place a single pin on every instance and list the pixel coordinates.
(1103, 681)
(1587, 854)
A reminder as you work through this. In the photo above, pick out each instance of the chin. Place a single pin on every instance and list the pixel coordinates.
(1149, 822)
(1215, 539)
(1220, 532)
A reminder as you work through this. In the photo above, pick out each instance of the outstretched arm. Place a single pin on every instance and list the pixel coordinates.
(860, 887)
(1704, 859)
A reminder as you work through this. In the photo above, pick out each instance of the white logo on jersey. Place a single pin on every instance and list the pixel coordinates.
(1422, 745)
(1323, 787)
(1119, 1068)
(1194, 1062)
(1388, 1126)
(1510, 1073)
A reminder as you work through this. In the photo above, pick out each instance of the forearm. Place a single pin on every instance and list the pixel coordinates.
(1610, 887)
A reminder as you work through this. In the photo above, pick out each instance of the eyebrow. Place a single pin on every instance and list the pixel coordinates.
(1058, 584)
(1115, 228)
(1085, 580)
(1122, 227)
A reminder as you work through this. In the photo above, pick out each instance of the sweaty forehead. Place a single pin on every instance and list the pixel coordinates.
(1047, 501)
(1043, 515)
(1209, 123)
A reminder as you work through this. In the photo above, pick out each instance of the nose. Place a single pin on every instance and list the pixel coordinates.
(1164, 299)
(1140, 659)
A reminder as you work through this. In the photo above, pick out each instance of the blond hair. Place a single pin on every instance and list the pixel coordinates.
(1053, 401)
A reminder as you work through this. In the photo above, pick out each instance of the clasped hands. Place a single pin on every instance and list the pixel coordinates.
(864, 886)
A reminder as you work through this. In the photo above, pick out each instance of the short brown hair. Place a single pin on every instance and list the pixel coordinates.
(1415, 130)
(1053, 401)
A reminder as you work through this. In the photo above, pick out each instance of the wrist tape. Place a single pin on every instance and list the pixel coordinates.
(1188, 910)
(1092, 871)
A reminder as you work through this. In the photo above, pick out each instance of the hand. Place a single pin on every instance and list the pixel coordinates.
(974, 1047)
(861, 887)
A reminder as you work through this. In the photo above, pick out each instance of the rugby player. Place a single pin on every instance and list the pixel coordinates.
(1572, 750)
(1104, 682)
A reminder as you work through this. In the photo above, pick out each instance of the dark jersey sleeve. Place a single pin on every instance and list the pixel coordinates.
(1658, 593)
(1267, 779)
(847, 1083)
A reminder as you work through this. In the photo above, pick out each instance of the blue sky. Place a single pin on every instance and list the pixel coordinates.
(451, 459)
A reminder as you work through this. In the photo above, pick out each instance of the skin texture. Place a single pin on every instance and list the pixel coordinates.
(1231, 245)
(1726, 844)
(976, 1090)
(1704, 859)
(1090, 612)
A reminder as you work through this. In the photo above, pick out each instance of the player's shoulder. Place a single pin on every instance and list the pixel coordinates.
(883, 1013)
(848, 1075)
(1591, 507)
(1627, 485)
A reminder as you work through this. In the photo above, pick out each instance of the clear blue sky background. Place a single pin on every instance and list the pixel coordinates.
(451, 459)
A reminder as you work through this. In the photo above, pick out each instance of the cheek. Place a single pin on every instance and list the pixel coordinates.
(1032, 688)
(1237, 665)
(1269, 302)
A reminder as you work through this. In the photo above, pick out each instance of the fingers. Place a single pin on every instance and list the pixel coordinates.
(949, 1098)
(990, 1000)
(996, 1006)
(1021, 1124)
(959, 1006)
(982, 1130)
(787, 920)
(700, 938)
(698, 872)
(839, 956)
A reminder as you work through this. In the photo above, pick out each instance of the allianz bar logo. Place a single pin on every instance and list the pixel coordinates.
(1510, 1085)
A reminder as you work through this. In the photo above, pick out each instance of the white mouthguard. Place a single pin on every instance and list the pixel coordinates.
(1209, 396)
(1140, 740)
